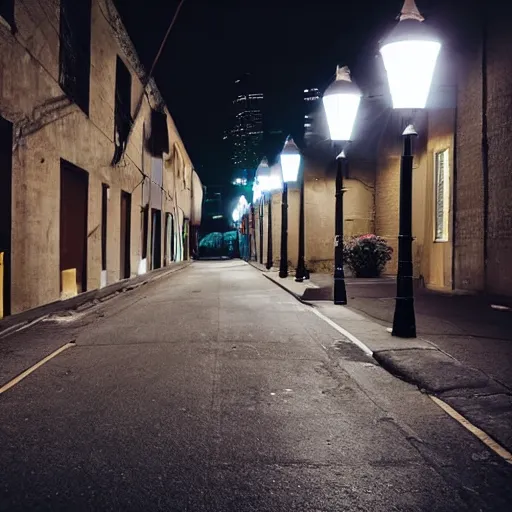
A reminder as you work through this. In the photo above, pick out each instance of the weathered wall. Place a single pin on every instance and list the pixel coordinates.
(485, 64)
(499, 114)
(432, 260)
(436, 257)
(469, 192)
(319, 213)
(48, 128)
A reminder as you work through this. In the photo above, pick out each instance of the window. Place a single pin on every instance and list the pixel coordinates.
(7, 12)
(441, 195)
(122, 109)
(159, 139)
(75, 50)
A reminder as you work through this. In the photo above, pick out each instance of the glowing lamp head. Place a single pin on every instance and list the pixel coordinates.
(242, 203)
(263, 176)
(256, 192)
(341, 102)
(290, 161)
(410, 54)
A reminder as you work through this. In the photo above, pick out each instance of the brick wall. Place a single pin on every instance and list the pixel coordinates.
(469, 235)
(471, 271)
(499, 113)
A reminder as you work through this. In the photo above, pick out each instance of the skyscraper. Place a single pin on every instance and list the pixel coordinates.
(312, 103)
(246, 135)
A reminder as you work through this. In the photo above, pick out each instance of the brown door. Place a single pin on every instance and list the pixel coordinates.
(74, 187)
(126, 208)
(6, 210)
(156, 238)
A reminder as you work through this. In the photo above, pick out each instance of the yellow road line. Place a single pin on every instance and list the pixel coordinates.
(480, 434)
(32, 369)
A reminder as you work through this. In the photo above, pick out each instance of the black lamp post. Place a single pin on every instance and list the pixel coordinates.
(283, 263)
(341, 102)
(300, 273)
(262, 213)
(270, 263)
(410, 54)
(290, 163)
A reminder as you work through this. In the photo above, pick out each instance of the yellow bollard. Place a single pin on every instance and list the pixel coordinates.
(69, 288)
(1, 285)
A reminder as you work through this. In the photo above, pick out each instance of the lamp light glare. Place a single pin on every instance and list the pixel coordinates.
(341, 103)
(410, 67)
(256, 192)
(242, 203)
(290, 161)
(341, 111)
(290, 165)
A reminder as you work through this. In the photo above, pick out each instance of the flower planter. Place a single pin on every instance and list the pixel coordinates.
(366, 255)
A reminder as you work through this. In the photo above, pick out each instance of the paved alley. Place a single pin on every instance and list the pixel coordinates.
(212, 389)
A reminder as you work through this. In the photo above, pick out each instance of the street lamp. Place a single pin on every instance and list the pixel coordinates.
(410, 54)
(341, 102)
(238, 218)
(261, 186)
(272, 182)
(300, 272)
(290, 163)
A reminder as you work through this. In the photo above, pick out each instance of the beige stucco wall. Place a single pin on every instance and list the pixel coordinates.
(47, 128)
(436, 262)
(319, 213)
(432, 260)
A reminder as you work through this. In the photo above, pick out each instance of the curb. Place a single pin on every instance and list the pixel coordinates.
(293, 294)
(484, 430)
(83, 301)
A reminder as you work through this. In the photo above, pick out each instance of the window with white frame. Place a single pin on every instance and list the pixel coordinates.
(441, 195)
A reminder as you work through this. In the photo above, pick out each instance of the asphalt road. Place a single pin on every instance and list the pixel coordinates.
(214, 390)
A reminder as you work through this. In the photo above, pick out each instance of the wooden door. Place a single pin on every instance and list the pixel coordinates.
(126, 208)
(74, 191)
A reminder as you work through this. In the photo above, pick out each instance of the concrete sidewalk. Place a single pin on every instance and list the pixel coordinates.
(463, 352)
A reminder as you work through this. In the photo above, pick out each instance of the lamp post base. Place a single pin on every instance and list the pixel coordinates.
(404, 321)
(340, 291)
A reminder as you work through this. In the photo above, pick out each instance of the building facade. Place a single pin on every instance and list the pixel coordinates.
(312, 104)
(462, 174)
(246, 135)
(96, 183)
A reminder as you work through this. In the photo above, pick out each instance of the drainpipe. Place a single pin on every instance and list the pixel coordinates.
(485, 142)
(454, 184)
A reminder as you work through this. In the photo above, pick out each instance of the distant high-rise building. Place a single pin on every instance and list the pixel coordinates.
(212, 203)
(312, 102)
(246, 135)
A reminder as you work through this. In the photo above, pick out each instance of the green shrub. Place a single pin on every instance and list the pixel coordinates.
(366, 255)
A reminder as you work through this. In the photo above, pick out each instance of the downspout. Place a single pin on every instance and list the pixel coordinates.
(454, 184)
(485, 144)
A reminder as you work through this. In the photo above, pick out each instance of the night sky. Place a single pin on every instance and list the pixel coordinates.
(287, 46)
